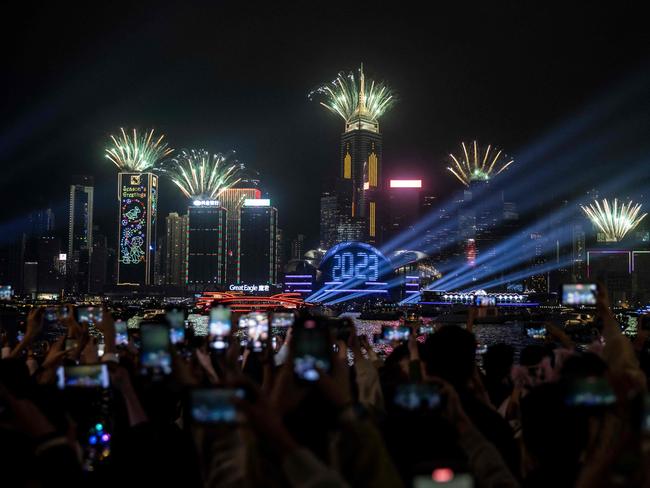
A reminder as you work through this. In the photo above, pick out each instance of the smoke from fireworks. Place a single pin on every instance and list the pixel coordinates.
(135, 152)
(201, 175)
(349, 95)
(614, 220)
(475, 165)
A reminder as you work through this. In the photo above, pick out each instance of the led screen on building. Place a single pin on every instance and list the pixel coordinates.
(138, 195)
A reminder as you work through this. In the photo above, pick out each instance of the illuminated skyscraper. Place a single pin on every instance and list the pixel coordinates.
(329, 216)
(232, 199)
(80, 233)
(360, 104)
(206, 245)
(176, 249)
(403, 206)
(138, 197)
(361, 156)
(258, 242)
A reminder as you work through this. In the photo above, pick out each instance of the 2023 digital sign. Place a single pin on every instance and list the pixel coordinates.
(355, 261)
(360, 265)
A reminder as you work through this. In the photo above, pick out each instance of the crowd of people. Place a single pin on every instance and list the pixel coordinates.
(424, 415)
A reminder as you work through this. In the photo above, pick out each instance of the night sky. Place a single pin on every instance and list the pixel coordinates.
(224, 77)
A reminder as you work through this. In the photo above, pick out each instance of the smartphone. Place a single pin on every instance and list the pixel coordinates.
(342, 328)
(121, 334)
(417, 396)
(282, 319)
(579, 294)
(590, 392)
(400, 333)
(256, 325)
(445, 477)
(219, 328)
(51, 316)
(175, 316)
(215, 406)
(312, 350)
(177, 334)
(485, 301)
(536, 332)
(83, 376)
(88, 314)
(425, 330)
(155, 355)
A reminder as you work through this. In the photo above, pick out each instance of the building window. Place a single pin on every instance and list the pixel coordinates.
(347, 166)
(372, 170)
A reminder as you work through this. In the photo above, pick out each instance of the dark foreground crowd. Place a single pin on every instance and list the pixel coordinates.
(425, 415)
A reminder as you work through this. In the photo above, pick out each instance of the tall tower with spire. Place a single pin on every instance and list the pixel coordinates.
(360, 175)
(360, 103)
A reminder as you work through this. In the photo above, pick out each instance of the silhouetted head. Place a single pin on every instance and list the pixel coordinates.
(498, 360)
(450, 354)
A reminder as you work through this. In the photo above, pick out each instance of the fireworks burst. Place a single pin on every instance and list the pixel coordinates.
(473, 165)
(614, 220)
(135, 152)
(201, 175)
(349, 96)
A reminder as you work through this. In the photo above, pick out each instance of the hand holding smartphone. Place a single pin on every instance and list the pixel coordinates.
(399, 333)
(312, 351)
(219, 328)
(88, 314)
(155, 352)
(256, 325)
(579, 294)
(83, 376)
(121, 334)
(215, 405)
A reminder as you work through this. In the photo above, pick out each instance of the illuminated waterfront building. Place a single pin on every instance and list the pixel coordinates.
(176, 249)
(206, 245)
(361, 158)
(232, 199)
(358, 186)
(138, 197)
(329, 217)
(403, 206)
(258, 242)
(80, 233)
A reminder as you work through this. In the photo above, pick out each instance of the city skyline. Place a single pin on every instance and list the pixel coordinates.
(435, 103)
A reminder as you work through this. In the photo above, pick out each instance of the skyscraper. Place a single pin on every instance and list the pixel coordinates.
(361, 157)
(232, 199)
(206, 245)
(329, 216)
(258, 242)
(41, 222)
(99, 264)
(176, 250)
(80, 233)
(403, 202)
(298, 247)
(358, 185)
(138, 197)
